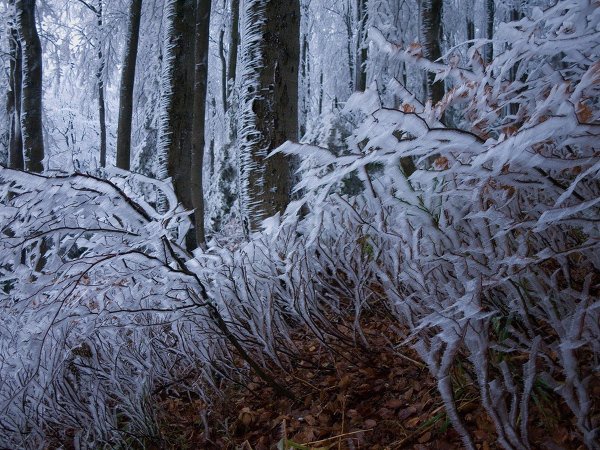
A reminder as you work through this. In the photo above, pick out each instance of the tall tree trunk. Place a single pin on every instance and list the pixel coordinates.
(515, 15)
(470, 31)
(360, 71)
(127, 85)
(270, 106)
(432, 31)
(321, 93)
(200, 87)
(305, 73)
(100, 83)
(15, 141)
(351, 54)
(177, 102)
(233, 46)
(491, 11)
(223, 68)
(31, 99)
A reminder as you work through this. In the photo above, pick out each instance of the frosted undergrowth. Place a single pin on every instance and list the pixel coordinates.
(484, 240)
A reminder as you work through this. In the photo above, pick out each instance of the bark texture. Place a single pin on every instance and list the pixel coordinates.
(127, 86)
(31, 93)
(100, 83)
(432, 24)
(233, 46)
(491, 12)
(273, 104)
(177, 103)
(13, 100)
(182, 100)
(200, 87)
(360, 71)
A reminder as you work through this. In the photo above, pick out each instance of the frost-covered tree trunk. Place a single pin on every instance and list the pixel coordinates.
(98, 11)
(348, 22)
(360, 71)
(234, 43)
(271, 48)
(432, 33)
(13, 101)
(305, 74)
(100, 82)
(223, 68)
(490, 13)
(200, 87)
(177, 102)
(222, 188)
(127, 85)
(31, 85)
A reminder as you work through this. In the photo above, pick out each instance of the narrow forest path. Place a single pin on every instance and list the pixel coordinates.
(351, 397)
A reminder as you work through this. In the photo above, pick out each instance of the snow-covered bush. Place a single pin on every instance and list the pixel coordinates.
(486, 239)
(98, 309)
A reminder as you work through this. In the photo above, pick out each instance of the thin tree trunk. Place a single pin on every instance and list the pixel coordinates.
(31, 100)
(515, 15)
(321, 93)
(306, 84)
(491, 11)
(351, 54)
(233, 46)
(360, 70)
(200, 87)
(470, 31)
(15, 141)
(223, 69)
(127, 85)
(100, 82)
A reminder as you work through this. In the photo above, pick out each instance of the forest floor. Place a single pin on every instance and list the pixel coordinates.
(352, 397)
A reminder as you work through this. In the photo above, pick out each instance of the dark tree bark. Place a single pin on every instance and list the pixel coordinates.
(470, 30)
(13, 101)
(182, 103)
(31, 93)
(432, 24)
(233, 46)
(200, 87)
(266, 182)
(321, 93)
(491, 11)
(360, 71)
(223, 69)
(100, 83)
(175, 137)
(351, 54)
(127, 85)
(305, 73)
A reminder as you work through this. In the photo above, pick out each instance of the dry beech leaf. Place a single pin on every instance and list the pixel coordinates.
(584, 113)
(425, 438)
(413, 422)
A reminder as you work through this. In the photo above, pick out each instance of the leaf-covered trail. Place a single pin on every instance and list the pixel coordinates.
(350, 397)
